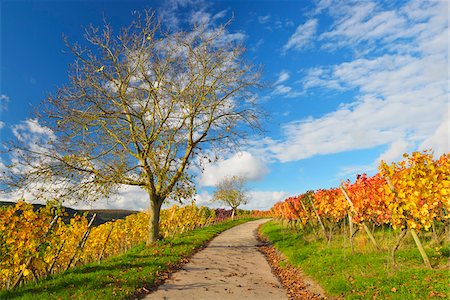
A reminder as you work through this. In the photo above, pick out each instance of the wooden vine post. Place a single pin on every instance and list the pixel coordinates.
(306, 213)
(30, 259)
(411, 231)
(82, 241)
(106, 242)
(58, 252)
(435, 236)
(298, 216)
(320, 219)
(350, 225)
(421, 249)
(397, 244)
(303, 206)
(363, 223)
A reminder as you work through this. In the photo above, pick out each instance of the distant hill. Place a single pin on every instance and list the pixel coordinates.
(103, 215)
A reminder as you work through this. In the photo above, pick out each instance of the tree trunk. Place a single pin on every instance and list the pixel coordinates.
(153, 225)
(233, 211)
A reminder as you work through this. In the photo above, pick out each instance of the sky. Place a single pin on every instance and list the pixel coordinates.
(349, 83)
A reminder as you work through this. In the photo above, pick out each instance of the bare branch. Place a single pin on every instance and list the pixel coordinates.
(138, 105)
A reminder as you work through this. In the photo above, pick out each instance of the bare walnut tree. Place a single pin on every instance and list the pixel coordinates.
(232, 191)
(139, 106)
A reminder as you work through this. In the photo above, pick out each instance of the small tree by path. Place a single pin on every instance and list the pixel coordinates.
(232, 191)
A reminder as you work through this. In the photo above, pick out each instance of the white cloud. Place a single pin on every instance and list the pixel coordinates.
(303, 36)
(204, 199)
(240, 164)
(170, 11)
(286, 91)
(203, 17)
(282, 77)
(289, 23)
(439, 141)
(282, 89)
(34, 135)
(395, 151)
(402, 93)
(256, 46)
(30, 130)
(264, 200)
(322, 4)
(263, 19)
(174, 14)
(231, 37)
(200, 17)
(4, 99)
(2, 124)
(128, 198)
(366, 27)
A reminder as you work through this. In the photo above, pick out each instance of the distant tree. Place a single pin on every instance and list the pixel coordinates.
(232, 191)
(139, 106)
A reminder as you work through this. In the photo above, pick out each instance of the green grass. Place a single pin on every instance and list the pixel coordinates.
(367, 274)
(124, 276)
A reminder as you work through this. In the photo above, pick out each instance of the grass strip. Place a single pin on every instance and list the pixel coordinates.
(368, 274)
(127, 276)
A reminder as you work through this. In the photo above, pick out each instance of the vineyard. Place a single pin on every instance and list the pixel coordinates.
(411, 196)
(37, 243)
(408, 197)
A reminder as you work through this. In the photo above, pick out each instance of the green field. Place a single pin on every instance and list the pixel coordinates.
(368, 273)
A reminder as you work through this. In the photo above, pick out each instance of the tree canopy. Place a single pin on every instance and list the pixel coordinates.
(140, 105)
(232, 191)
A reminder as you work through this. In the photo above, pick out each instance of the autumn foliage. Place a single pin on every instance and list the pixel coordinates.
(410, 194)
(25, 249)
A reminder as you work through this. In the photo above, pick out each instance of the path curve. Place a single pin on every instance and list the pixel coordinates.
(230, 267)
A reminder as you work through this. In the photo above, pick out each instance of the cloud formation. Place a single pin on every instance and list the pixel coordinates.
(303, 36)
(240, 164)
(282, 89)
(402, 95)
(128, 198)
(263, 19)
(4, 99)
(36, 136)
(440, 140)
(282, 77)
(264, 200)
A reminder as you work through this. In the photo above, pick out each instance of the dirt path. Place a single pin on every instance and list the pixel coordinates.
(230, 267)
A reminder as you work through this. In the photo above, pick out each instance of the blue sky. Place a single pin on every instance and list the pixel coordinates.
(352, 82)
